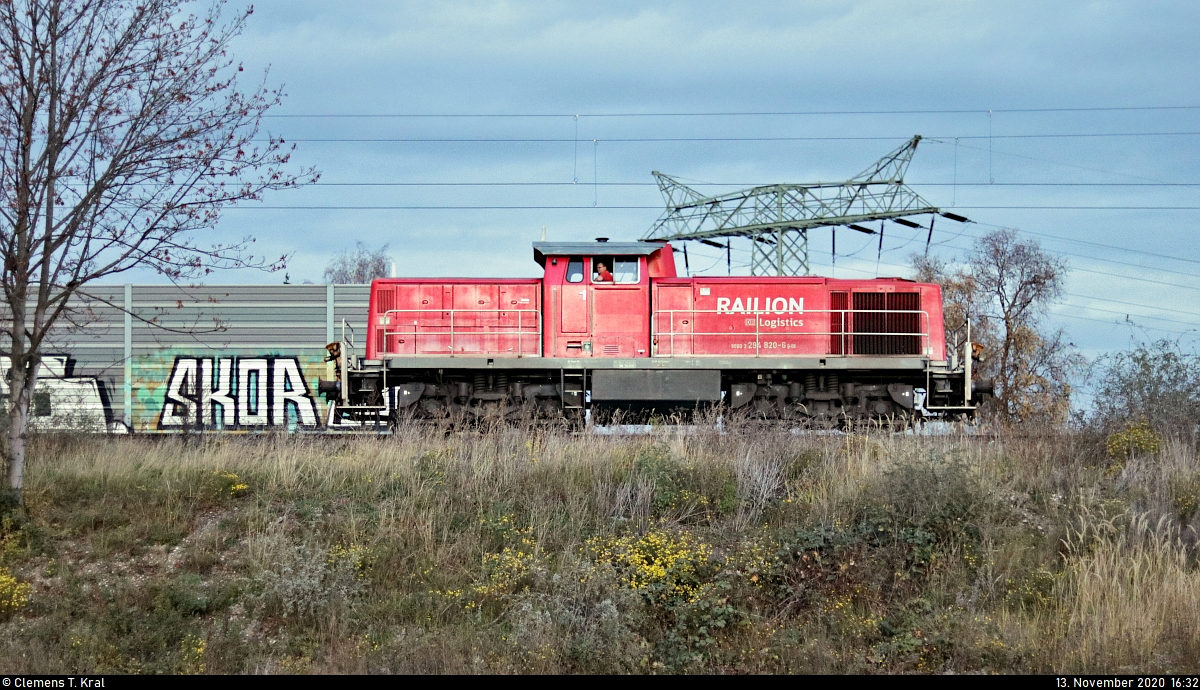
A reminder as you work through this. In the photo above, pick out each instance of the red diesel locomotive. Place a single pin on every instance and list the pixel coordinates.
(611, 326)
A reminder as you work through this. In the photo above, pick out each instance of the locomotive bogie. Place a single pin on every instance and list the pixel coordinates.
(817, 395)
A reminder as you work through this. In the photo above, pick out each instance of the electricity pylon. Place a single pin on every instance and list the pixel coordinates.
(777, 218)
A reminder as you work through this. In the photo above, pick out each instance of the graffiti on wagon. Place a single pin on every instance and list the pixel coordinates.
(237, 393)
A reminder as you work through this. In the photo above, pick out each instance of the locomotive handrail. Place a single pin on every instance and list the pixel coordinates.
(655, 332)
(522, 330)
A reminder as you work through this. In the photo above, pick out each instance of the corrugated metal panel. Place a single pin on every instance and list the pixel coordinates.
(350, 304)
(174, 329)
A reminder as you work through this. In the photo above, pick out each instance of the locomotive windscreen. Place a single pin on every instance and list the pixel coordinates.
(880, 319)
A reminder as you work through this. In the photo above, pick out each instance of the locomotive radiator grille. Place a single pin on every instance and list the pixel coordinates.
(837, 323)
(385, 301)
(879, 319)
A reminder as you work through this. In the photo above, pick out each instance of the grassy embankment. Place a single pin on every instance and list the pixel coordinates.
(532, 551)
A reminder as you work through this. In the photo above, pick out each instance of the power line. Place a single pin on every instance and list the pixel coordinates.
(1085, 208)
(1133, 304)
(649, 184)
(540, 207)
(1079, 306)
(1094, 244)
(1084, 318)
(1123, 276)
(1051, 184)
(1123, 263)
(746, 184)
(1119, 323)
(1126, 313)
(1088, 297)
(1099, 299)
(643, 207)
(989, 150)
(1129, 277)
(620, 140)
(781, 113)
(1115, 261)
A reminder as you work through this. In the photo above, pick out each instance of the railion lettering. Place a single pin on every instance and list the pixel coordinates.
(769, 305)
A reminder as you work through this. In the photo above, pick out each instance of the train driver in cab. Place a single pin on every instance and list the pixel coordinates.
(602, 275)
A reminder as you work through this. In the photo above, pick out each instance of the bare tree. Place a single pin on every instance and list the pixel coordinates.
(358, 267)
(123, 134)
(962, 301)
(1004, 290)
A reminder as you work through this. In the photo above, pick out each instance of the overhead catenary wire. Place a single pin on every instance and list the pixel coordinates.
(767, 139)
(746, 184)
(516, 207)
(1075, 166)
(1105, 301)
(729, 249)
(1123, 276)
(1099, 299)
(1056, 314)
(1119, 323)
(764, 113)
(643, 207)
(1067, 294)
(596, 183)
(581, 207)
(651, 184)
(1075, 240)
(1115, 261)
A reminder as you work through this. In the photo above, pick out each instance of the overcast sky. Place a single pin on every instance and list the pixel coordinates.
(384, 74)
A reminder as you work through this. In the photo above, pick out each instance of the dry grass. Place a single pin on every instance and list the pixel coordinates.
(1130, 595)
(526, 550)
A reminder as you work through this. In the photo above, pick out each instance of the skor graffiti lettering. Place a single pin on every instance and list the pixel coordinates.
(237, 393)
(770, 305)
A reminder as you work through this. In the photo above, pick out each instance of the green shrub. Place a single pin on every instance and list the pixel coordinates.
(936, 494)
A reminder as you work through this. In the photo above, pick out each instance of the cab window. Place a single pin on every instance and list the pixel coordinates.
(575, 270)
(614, 269)
(625, 270)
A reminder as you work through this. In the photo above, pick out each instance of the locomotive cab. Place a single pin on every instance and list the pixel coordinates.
(597, 296)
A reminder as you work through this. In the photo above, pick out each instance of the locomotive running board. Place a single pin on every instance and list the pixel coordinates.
(836, 363)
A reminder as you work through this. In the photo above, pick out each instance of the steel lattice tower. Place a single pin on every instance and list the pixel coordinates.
(777, 218)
